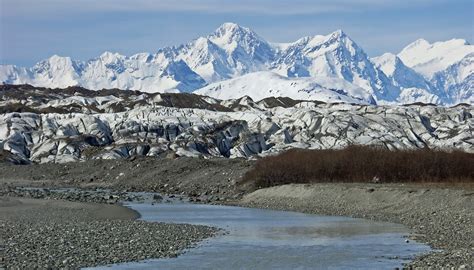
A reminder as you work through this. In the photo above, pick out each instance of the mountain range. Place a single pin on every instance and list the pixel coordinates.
(234, 61)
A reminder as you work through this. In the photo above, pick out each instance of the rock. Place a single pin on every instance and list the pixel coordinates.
(157, 197)
(171, 155)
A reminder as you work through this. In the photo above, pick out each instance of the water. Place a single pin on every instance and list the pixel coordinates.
(266, 239)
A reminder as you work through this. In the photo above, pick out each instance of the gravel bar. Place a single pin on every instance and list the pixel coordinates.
(54, 234)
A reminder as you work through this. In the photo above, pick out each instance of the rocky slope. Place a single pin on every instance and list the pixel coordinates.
(44, 125)
(439, 73)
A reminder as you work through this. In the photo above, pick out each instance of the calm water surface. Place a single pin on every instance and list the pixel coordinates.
(267, 239)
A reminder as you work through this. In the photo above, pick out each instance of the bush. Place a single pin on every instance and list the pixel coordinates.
(361, 164)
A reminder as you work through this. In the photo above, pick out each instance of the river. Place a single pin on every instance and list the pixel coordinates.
(268, 239)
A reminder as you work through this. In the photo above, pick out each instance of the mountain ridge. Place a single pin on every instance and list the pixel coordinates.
(417, 73)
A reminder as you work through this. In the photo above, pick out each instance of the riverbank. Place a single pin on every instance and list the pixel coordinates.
(441, 217)
(202, 180)
(57, 234)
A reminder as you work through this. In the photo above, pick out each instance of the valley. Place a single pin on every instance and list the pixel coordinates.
(228, 151)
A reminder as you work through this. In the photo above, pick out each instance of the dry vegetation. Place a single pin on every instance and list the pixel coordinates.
(362, 164)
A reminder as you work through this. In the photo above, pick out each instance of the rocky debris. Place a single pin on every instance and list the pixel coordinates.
(79, 195)
(75, 244)
(75, 99)
(195, 178)
(183, 125)
(441, 217)
(63, 237)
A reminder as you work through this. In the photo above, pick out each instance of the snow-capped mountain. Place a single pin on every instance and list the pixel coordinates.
(413, 86)
(447, 65)
(246, 51)
(428, 59)
(329, 66)
(337, 56)
(456, 83)
(256, 86)
(110, 70)
(230, 51)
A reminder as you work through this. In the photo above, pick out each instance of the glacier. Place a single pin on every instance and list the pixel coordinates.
(74, 124)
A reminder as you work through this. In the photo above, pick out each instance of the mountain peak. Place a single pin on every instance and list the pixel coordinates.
(142, 57)
(418, 43)
(229, 33)
(388, 57)
(246, 48)
(229, 25)
(202, 42)
(316, 41)
(55, 61)
(428, 59)
(58, 59)
(387, 62)
(55, 57)
(229, 29)
(109, 57)
(338, 34)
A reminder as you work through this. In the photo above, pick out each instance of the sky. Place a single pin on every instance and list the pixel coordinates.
(33, 30)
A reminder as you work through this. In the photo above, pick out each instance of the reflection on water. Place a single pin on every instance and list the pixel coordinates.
(266, 239)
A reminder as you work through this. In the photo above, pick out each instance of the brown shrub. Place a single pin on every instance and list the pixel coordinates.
(361, 164)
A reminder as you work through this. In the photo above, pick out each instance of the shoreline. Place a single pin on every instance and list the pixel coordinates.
(439, 217)
(57, 234)
(410, 205)
(438, 214)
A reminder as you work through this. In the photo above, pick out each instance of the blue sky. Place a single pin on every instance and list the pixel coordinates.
(32, 30)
